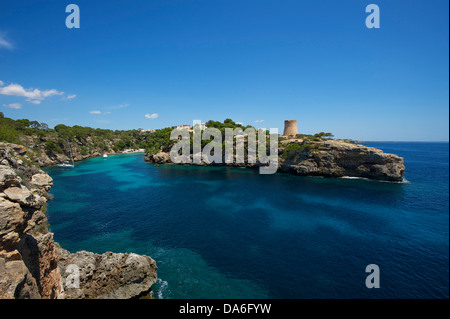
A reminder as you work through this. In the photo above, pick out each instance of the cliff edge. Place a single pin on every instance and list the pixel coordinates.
(33, 265)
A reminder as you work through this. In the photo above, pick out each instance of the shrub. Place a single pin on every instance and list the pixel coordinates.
(119, 146)
(52, 148)
(83, 150)
(291, 151)
(323, 135)
(8, 134)
(305, 147)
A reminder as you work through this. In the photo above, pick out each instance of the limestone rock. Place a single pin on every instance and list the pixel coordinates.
(19, 149)
(16, 282)
(20, 195)
(159, 158)
(8, 177)
(107, 276)
(12, 221)
(42, 181)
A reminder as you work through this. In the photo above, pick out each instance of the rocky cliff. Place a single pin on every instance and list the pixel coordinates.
(327, 158)
(33, 265)
(336, 158)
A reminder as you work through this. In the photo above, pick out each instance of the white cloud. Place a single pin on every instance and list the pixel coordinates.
(259, 121)
(99, 112)
(5, 43)
(51, 92)
(151, 116)
(69, 97)
(13, 105)
(1, 83)
(35, 96)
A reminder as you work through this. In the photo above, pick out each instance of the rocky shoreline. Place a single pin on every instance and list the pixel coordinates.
(33, 265)
(326, 158)
(44, 159)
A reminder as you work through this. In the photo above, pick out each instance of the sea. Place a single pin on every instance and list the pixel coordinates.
(222, 232)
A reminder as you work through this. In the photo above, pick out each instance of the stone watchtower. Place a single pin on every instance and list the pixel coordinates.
(290, 128)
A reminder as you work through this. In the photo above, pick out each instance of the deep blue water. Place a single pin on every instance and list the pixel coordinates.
(232, 233)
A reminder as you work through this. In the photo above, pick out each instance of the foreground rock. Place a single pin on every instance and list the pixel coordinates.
(107, 276)
(327, 158)
(32, 265)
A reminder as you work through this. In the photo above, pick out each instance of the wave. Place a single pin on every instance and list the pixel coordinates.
(404, 181)
(355, 177)
(162, 289)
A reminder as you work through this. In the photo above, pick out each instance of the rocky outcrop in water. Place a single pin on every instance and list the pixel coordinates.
(335, 158)
(327, 158)
(32, 265)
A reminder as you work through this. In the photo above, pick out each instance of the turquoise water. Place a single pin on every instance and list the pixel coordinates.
(232, 233)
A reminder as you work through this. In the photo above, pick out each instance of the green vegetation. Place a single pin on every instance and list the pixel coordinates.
(294, 150)
(323, 135)
(316, 137)
(83, 150)
(291, 151)
(305, 148)
(52, 148)
(87, 140)
(131, 139)
(11, 130)
(228, 123)
(160, 139)
(56, 141)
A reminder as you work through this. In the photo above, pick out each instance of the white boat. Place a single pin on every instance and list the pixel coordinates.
(105, 155)
(66, 164)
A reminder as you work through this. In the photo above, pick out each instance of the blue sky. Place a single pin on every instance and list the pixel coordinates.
(265, 61)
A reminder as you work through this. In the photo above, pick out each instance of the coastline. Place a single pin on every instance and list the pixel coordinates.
(35, 266)
(329, 158)
(89, 156)
(51, 262)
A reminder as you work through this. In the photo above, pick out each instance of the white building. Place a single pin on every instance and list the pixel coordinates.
(147, 130)
(200, 124)
(183, 127)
